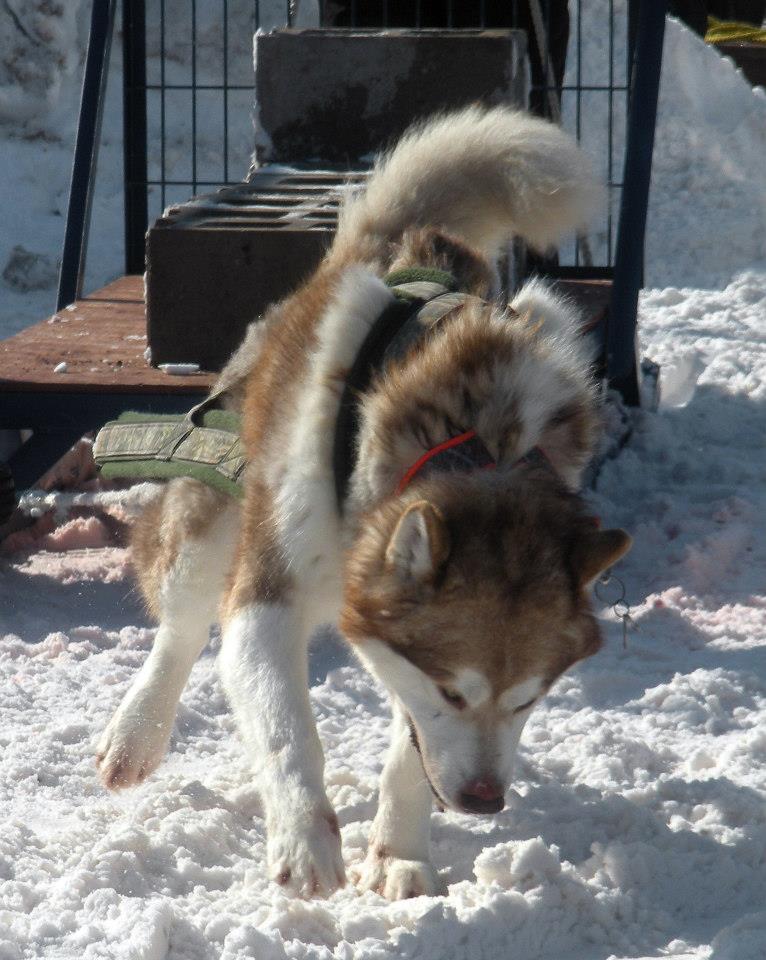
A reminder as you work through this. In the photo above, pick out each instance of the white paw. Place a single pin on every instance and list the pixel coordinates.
(304, 854)
(135, 741)
(397, 879)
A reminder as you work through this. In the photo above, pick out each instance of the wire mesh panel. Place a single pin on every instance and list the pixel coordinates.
(197, 91)
(594, 101)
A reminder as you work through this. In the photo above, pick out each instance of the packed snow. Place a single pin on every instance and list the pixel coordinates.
(636, 827)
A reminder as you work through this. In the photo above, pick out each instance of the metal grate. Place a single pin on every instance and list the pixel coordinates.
(197, 86)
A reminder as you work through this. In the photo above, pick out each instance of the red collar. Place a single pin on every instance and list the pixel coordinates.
(465, 452)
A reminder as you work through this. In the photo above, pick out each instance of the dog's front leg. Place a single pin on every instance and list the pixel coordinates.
(264, 669)
(398, 861)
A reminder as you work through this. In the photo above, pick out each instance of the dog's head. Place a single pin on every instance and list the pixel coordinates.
(467, 603)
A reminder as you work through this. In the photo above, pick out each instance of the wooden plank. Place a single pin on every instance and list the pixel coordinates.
(593, 297)
(129, 288)
(102, 339)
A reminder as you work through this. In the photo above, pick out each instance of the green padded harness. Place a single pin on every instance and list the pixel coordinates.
(204, 443)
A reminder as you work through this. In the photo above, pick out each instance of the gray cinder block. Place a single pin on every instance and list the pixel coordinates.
(340, 95)
(217, 262)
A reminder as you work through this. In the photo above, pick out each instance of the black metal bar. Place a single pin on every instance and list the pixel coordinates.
(610, 133)
(225, 39)
(86, 152)
(629, 259)
(633, 12)
(134, 127)
(604, 87)
(199, 86)
(546, 58)
(163, 166)
(194, 93)
(578, 101)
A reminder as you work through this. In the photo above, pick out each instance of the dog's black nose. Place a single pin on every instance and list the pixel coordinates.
(482, 796)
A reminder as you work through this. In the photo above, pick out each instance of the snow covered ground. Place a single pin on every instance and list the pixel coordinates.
(637, 824)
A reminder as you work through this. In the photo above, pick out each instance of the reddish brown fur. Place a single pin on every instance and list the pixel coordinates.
(271, 390)
(441, 251)
(509, 600)
(283, 358)
(184, 510)
(259, 572)
(443, 389)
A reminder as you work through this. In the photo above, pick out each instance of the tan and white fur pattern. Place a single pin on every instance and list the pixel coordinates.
(467, 594)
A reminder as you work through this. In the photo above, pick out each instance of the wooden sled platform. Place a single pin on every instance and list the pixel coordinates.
(101, 339)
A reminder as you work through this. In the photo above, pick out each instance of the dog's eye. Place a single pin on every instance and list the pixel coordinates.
(526, 706)
(452, 698)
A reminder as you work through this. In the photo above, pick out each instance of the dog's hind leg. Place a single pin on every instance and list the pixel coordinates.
(182, 549)
(398, 861)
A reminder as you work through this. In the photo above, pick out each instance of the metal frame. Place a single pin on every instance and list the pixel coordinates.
(621, 358)
(86, 152)
(134, 132)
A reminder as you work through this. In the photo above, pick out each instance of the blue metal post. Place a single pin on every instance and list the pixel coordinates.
(86, 152)
(629, 260)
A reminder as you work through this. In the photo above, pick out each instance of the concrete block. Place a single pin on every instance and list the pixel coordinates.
(339, 96)
(217, 262)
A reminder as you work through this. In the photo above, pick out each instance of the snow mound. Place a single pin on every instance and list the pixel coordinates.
(41, 46)
(707, 212)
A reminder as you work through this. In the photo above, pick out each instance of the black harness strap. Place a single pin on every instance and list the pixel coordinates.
(368, 361)
(423, 297)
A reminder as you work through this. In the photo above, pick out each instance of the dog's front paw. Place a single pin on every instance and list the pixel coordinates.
(134, 743)
(397, 879)
(304, 854)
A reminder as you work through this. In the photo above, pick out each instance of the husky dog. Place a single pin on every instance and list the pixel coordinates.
(465, 591)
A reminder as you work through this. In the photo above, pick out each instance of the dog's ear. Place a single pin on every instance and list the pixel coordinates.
(597, 551)
(419, 545)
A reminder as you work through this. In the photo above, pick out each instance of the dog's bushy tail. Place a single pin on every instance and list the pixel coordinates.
(481, 174)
